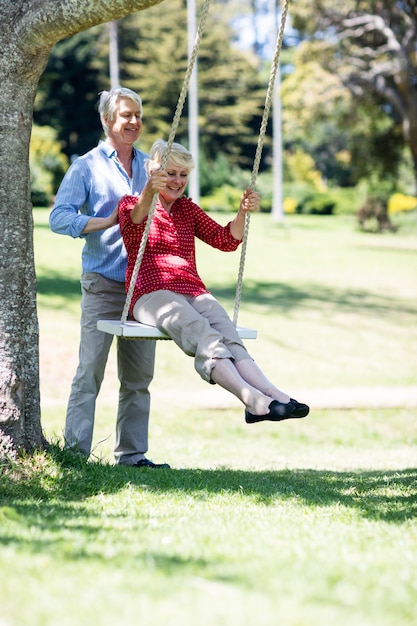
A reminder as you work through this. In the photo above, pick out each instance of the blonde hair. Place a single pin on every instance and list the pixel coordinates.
(178, 155)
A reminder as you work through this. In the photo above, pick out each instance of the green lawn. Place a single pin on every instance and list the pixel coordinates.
(296, 524)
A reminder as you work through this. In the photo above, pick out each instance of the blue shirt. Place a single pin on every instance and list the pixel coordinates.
(92, 187)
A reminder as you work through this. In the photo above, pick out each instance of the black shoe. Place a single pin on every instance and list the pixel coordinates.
(300, 409)
(151, 464)
(278, 411)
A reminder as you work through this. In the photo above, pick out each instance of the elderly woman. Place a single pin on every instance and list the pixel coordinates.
(170, 294)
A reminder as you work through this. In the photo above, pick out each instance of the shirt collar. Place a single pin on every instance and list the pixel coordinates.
(110, 151)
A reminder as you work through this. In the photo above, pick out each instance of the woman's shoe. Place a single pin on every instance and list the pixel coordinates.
(300, 409)
(278, 411)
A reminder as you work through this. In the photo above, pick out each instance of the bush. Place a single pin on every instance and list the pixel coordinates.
(225, 198)
(47, 165)
(214, 174)
(346, 199)
(297, 193)
(399, 202)
(317, 204)
(290, 206)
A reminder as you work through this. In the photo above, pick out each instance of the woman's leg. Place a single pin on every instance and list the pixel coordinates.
(259, 406)
(251, 372)
(191, 323)
(175, 314)
(225, 374)
(242, 369)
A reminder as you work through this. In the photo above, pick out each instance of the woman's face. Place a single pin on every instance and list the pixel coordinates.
(176, 183)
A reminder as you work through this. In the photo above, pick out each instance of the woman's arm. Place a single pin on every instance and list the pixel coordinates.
(155, 183)
(249, 202)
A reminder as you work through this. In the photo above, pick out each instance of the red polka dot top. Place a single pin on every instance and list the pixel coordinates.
(169, 260)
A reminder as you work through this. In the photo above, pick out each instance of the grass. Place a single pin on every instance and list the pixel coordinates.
(297, 524)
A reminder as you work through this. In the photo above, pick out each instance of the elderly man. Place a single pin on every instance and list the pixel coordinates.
(86, 206)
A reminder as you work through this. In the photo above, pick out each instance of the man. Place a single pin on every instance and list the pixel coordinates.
(86, 206)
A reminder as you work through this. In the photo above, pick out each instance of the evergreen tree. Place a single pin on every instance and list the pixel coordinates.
(77, 70)
(153, 61)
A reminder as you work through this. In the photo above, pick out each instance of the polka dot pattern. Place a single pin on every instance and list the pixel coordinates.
(169, 261)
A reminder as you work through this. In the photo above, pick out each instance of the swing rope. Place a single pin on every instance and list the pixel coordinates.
(174, 128)
(258, 154)
(255, 169)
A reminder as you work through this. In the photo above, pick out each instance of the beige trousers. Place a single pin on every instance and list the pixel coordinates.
(199, 325)
(104, 299)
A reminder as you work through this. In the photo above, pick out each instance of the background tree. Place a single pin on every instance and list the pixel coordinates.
(370, 48)
(153, 61)
(47, 164)
(76, 72)
(28, 31)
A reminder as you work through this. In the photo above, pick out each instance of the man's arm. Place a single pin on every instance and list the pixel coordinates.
(66, 217)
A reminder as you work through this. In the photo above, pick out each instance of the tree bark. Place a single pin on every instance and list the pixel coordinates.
(28, 31)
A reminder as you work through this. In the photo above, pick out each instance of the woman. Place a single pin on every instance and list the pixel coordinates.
(170, 294)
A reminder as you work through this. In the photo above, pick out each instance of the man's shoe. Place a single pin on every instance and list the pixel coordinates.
(151, 464)
(278, 411)
(300, 409)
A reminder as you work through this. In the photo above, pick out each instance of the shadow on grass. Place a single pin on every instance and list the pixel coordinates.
(281, 297)
(389, 496)
(273, 297)
(50, 283)
(47, 512)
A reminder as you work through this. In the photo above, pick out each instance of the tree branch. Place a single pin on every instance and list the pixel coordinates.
(357, 27)
(46, 24)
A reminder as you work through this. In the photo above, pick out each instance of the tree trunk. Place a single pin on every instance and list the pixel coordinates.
(27, 33)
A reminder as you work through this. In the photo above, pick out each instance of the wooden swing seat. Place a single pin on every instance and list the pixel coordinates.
(136, 330)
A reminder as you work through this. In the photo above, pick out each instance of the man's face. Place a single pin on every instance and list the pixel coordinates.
(126, 125)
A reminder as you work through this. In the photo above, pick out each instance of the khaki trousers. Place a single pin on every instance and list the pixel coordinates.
(104, 299)
(200, 326)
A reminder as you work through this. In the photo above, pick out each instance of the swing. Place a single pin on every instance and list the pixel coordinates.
(136, 330)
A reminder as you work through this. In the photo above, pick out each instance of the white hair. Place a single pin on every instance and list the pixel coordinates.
(178, 155)
(109, 100)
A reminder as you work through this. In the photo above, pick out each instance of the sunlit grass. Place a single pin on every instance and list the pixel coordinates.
(295, 524)
(203, 545)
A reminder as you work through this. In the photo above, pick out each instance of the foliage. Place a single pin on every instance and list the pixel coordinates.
(374, 209)
(155, 46)
(317, 204)
(346, 126)
(365, 56)
(215, 173)
(302, 198)
(346, 199)
(66, 99)
(153, 61)
(47, 164)
(374, 186)
(346, 137)
(290, 205)
(300, 167)
(224, 198)
(337, 200)
(399, 202)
